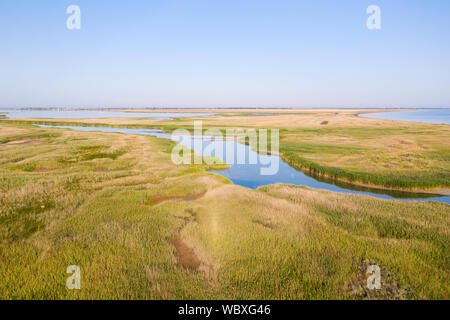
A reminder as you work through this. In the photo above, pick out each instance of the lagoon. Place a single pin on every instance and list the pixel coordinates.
(435, 116)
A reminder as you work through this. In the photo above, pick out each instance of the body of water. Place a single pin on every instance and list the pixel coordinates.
(436, 116)
(249, 175)
(97, 114)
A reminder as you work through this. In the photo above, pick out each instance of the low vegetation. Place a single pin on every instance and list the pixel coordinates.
(335, 144)
(140, 227)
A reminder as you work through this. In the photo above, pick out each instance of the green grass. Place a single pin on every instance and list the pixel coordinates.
(27, 136)
(377, 156)
(371, 160)
(114, 217)
(82, 155)
(400, 181)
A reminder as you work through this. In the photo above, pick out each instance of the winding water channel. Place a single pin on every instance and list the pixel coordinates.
(249, 175)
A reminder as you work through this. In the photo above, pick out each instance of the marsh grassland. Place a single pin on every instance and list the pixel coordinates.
(141, 227)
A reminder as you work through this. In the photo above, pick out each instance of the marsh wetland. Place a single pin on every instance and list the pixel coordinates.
(108, 198)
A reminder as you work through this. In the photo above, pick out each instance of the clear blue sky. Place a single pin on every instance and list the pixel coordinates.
(315, 53)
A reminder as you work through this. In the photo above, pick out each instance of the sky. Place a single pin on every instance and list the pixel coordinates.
(225, 53)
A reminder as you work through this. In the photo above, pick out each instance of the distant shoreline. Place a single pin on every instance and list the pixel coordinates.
(172, 109)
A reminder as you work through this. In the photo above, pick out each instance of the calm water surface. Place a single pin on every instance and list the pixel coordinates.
(248, 175)
(441, 116)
